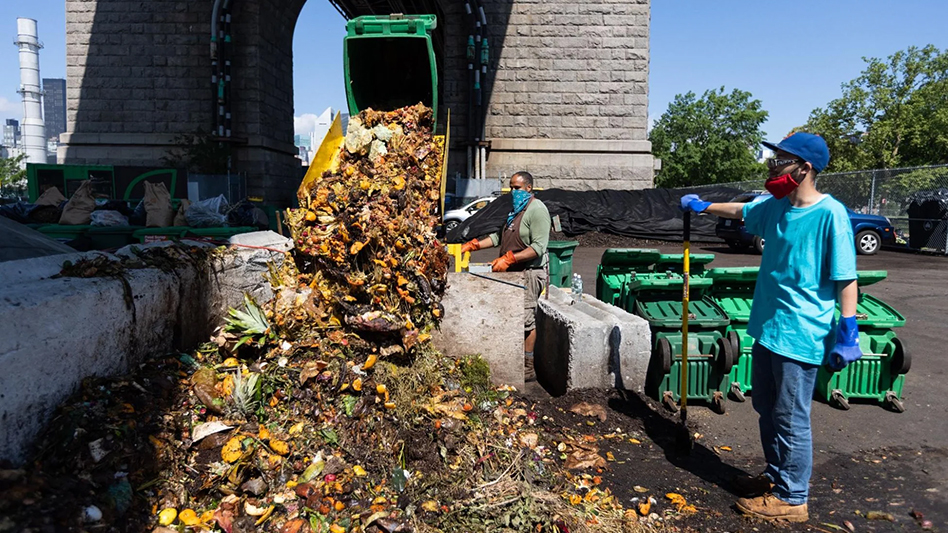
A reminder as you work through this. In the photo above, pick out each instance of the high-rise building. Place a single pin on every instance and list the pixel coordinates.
(11, 133)
(54, 106)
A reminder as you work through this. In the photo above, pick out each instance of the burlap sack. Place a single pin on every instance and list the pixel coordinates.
(179, 218)
(79, 208)
(158, 211)
(51, 196)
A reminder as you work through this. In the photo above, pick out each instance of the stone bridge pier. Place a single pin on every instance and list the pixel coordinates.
(565, 97)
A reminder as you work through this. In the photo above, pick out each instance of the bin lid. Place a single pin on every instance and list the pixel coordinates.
(667, 313)
(661, 282)
(738, 274)
(629, 257)
(679, 259)
(116, 230)
(226, 232)
(868, 277)
(562, 245)
(873, 312)
(738, 308)
(171, 230)
(64, 229)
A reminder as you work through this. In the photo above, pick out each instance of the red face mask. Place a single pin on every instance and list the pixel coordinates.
(781, 186)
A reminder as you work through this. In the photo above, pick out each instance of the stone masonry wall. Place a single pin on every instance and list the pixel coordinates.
(567, 93)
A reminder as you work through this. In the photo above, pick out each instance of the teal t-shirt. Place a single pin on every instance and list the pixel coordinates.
(806, 251)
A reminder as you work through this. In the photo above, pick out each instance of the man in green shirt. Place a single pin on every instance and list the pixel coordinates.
(523, 242)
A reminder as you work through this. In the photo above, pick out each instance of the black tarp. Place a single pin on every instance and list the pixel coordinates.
(644, 214)
(928, 219)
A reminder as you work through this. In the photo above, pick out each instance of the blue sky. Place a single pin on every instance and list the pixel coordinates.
(793, 58)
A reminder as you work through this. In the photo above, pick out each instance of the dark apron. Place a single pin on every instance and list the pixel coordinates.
(510, 240)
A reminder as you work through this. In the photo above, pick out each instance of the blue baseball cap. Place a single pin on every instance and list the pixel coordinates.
(808, 147)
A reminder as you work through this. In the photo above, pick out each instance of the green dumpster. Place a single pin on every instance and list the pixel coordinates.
(616, 268)
(656, 297)
(64, 232)
(112, 237)
(561, 262)
(733, 290)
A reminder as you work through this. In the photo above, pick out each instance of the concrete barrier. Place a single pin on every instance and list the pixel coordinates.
(589, 344)
(56, 332)
(482, 316)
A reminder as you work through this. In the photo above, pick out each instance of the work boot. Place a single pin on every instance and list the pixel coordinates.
(529, 374)
(771, 508)
(752, 486)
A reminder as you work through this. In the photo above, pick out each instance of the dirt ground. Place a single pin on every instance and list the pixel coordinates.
(868, 459)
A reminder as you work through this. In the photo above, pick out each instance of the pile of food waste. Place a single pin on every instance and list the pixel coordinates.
(326, 408)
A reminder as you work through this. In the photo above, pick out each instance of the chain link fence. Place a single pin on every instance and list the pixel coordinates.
(915, 200)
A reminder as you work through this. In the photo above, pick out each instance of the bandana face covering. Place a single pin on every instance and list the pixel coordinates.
(520, 200)
(781, 186)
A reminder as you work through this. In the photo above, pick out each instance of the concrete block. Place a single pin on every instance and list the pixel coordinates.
(482, 316)
(589, 344)
(56, 332)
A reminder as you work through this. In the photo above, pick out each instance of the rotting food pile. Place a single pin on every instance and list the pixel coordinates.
(325, 409)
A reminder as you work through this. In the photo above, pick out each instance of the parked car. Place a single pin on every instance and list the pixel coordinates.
(871, 231)
(455, 216)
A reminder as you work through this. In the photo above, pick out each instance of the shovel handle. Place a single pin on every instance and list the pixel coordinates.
(685, 298)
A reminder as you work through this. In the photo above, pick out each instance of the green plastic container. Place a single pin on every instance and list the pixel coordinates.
(561, 262)
(733, 290)
(216, 234)
(616, 268)
(708, 368)
(147, 235)
(63, 232)
(879, 375)
(112, 237)
(390, 62)
(676, 263)
(865, 278)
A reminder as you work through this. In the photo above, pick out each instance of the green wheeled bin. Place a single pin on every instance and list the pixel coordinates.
(880, 374)
(561, 262)
(172, 233)
(675, 263)
(617, 267)
(657, 298)
(733, 290)
(216, 235)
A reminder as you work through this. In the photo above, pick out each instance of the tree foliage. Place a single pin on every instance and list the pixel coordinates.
(12, 176)
(895, 114)
(711, 139)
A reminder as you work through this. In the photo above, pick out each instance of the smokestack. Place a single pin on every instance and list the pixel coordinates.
(34, 129)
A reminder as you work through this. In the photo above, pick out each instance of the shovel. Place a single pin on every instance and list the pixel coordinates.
(684, 438)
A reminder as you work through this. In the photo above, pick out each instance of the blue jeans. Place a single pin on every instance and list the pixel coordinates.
(782, 395)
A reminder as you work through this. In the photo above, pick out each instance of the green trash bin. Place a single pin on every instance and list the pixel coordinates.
(561, 262)
(148, 235)
(616, 268)
(676, 263)
(733, 290)
(880, 373)
(216, 234)
(656, 297)
(389, 62)
(64, 232)
(112, 237)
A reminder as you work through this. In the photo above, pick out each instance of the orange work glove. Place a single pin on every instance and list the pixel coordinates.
(471, 246)
(502, 263)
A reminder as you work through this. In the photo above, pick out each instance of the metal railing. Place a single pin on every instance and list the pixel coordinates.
(889, 193)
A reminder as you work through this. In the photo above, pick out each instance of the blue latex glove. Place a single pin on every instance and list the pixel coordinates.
(847, 344)
(691, 202)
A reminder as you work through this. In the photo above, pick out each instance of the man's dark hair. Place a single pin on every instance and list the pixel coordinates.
(526, 176)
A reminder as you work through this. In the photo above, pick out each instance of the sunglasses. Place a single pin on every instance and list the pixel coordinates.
(773, 162)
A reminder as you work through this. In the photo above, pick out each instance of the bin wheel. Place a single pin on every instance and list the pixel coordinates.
(901, 359)
(839, 400)
(725, 357)
(736, 393)
(894, 402)
(668, 400)
(663, 349)
(735, 340)
(717, 403)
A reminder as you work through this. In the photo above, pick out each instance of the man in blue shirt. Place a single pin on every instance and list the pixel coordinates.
(809, 264)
